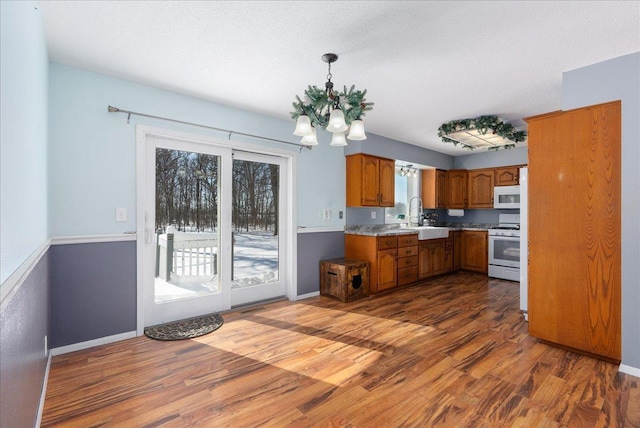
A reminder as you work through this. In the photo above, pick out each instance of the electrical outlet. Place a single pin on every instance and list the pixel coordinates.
(340, 214)
(326, 214)
(373, 214)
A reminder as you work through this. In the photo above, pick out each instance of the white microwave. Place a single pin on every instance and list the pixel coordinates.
(506, 197)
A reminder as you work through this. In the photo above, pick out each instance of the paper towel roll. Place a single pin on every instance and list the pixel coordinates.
(455, 213)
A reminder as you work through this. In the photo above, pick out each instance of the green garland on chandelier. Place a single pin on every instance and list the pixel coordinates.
(482, 124)
(317, 102)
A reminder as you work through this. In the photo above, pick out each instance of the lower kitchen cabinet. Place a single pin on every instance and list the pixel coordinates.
(386, 269)
(431, 258)
(393, 259)
(457, 249)
(475, 251)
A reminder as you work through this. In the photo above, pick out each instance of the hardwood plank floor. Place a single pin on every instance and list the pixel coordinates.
(453, 351)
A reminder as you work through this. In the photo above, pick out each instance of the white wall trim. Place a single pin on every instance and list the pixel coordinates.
(93, 239)
(302, 229)
(308, 295)
(12, 284)
(91, 343)
(43, 394)
(633, 371)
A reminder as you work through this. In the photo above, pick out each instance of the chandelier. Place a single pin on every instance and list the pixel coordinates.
(331, 110)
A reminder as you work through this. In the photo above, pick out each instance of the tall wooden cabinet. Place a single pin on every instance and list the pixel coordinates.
(370, 181)
(574, 229)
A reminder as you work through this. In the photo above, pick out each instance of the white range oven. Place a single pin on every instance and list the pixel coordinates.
(504, 248)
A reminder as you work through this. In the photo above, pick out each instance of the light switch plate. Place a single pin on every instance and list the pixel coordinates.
(121, 214)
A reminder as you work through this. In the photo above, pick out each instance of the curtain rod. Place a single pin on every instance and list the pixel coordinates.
(113, 109)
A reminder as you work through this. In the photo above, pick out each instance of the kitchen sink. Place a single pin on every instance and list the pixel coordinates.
(429, 232)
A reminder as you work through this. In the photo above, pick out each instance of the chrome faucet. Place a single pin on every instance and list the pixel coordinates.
(419, 216)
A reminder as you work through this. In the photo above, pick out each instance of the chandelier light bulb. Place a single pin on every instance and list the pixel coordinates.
(336, 121)
(338, 139)
(356, 132)
(311, 139)
(303, 126)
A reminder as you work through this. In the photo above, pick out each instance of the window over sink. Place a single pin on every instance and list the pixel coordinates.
(407, 186)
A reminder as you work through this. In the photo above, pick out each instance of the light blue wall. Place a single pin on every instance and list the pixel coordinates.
(92, 152)
(24, 314)
(619, 79)
(23, 142)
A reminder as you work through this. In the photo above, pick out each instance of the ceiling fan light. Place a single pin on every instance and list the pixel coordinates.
(338, 139)
(356, 132)
(303, 126)
(311, 139)
(336, 121)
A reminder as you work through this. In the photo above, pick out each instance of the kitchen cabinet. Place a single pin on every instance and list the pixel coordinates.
(456, 188)
(393, 260)
(457, 249)
(370, 181)
(574, 287)
(480, 188)
(507, 176)
(434, 188)
(475, 251)
(432, 259)
(407, 259)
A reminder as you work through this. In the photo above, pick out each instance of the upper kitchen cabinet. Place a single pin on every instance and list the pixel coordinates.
(574, 260)
(507, 176)
(480, 188)
(434, 188)
(456, 188)
(370, 181)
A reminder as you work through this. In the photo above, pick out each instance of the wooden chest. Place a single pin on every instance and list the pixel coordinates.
(344, 279)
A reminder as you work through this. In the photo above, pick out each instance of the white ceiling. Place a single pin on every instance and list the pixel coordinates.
(422, 63)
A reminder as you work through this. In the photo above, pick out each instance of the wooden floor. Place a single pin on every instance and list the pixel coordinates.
(450, 352)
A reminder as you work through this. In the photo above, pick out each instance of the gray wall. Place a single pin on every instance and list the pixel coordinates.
(392, 149)
(93, 291)
(23, 360)
(312, 248)
(516, 156)
(618, 79)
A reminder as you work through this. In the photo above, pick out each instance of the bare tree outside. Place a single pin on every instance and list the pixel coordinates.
(187, 210)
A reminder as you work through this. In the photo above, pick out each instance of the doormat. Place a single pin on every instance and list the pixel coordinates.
(185, 329)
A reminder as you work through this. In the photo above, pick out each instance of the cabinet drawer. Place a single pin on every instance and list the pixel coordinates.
(407, 275)
(404, 262)
(408, 251)
(386, 242)
(448, 245)
(407, 240)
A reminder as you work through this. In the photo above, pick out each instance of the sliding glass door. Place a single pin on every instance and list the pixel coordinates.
(215, 228)
(257, 228)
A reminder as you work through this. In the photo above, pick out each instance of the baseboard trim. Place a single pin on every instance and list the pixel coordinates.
(91, 343)
(308, 295)
(633, 371)
(43, 394)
